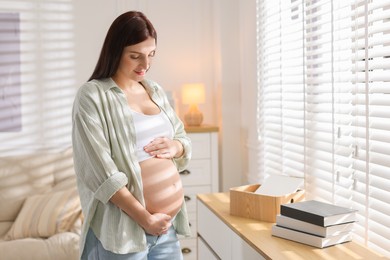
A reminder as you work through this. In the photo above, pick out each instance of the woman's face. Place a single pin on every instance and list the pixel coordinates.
(136, 60)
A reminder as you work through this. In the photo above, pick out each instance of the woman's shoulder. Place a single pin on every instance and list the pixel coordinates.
(95, 87)
(90, 93)
(151, 85)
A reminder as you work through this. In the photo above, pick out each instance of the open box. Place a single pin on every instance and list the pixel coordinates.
(245, 203)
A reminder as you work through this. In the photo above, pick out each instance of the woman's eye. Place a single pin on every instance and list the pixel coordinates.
(134, 57)
(152, 54)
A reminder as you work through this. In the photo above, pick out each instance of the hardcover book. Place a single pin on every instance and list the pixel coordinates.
(318, 213)
(306, 227)
(310, 239)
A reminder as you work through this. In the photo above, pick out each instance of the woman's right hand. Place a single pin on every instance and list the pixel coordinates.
(158, 224)
(154, 224)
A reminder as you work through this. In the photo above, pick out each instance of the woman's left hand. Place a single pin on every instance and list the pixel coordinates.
(163, 147)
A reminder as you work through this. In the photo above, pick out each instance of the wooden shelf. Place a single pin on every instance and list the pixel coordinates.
(201, 129)
(257, 234)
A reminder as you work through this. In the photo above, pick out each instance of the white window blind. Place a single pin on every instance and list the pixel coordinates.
(324, 84)
(282, 106)
(371, 79)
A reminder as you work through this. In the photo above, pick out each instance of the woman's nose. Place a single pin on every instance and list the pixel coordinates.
(145, 61)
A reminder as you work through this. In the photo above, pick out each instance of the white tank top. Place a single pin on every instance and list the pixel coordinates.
(149, 127)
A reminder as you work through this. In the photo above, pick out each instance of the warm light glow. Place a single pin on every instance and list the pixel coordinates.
(193, 94)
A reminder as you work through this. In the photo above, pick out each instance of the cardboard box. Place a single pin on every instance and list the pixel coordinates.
(245, 203)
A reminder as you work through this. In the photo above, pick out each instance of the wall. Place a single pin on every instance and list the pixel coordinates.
(185, 51)
(198, 41)
(249, 141)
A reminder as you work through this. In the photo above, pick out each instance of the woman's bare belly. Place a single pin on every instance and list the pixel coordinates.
(163, 190)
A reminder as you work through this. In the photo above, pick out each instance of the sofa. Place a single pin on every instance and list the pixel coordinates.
(40, 212)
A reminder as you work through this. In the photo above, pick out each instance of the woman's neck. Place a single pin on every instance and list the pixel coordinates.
(126, 84)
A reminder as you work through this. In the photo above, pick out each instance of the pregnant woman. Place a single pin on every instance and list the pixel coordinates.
(129, 146)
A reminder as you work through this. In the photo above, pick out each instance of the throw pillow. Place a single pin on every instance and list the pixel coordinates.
(46, 214)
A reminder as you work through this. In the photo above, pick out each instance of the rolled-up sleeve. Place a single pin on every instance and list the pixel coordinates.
(108, 188)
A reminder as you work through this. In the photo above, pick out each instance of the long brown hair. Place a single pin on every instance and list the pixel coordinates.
(127, 29)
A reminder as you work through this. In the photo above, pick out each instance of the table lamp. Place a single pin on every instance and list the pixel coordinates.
(192, 95)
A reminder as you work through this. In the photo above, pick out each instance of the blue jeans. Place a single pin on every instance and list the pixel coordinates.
(166, 246)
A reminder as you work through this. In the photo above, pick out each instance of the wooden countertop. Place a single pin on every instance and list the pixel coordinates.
(258, 235)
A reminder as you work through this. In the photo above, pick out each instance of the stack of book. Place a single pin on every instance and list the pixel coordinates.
(315, 223)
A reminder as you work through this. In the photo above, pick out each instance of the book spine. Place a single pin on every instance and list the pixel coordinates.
(302, 215)
(309, 239)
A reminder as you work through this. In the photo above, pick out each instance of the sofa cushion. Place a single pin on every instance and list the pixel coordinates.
(4, 227)
(63, 166)
(63, 246)
(68, 183)
(46, 214)
(23, 176)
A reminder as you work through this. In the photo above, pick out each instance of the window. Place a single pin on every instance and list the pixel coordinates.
(37, 75)
(324, 92)
(10, 107)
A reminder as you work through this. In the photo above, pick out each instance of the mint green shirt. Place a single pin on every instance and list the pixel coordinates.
(104, 150)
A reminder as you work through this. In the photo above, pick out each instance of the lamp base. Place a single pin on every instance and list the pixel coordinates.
(193, 117)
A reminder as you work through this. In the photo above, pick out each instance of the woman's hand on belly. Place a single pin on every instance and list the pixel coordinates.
(158, 224)
(164, 148)
(154, 224)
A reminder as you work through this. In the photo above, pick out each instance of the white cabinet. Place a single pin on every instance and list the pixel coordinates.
(224, 236)
(204, 251)
(201, 176)
(214, 232)
(218, 241)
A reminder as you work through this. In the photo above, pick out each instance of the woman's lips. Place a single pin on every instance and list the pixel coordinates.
(140, 73)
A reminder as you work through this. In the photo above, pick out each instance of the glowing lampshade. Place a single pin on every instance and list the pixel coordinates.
(193, 94)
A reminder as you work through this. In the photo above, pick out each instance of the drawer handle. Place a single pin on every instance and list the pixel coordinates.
(187, 198)
(186, 250)
(185, 172)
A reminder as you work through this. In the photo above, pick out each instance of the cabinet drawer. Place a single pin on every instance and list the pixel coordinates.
(201, 147)
(197, 173)
(214, 232)
(188, 248)
(204, 251)
(190, 196)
